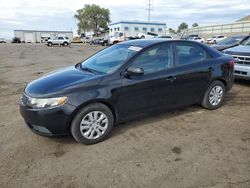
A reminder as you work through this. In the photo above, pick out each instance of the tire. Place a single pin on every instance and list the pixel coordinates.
(49, 44)
(216, 89)
(142, 37)
(65, 44)
(84, 115)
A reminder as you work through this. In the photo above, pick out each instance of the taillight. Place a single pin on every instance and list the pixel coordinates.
(231, 63)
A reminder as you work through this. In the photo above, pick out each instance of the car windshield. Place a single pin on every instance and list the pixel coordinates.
(246, 42)
(230, 40)
(110, 59)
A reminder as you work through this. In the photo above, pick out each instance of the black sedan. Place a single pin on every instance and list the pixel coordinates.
(124, 81)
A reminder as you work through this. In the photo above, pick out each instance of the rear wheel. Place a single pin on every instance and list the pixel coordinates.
(50, 44)
(214, 95)
(92, 124)
(142, 37)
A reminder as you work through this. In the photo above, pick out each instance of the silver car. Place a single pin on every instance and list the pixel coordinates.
(242, 56)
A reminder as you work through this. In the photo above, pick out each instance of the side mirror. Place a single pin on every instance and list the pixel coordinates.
(134, 71)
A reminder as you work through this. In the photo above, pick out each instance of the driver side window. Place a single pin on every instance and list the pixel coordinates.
(155, 59)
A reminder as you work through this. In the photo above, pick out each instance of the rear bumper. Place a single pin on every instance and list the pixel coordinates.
(242, 71)
(48, 122)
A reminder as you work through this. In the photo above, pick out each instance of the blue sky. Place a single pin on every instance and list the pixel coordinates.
(58, 14)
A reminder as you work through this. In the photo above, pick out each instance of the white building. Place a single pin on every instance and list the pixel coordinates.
(34, 36)
(132, 28)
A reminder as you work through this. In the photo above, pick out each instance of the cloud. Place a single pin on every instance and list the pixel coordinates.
(58, 14)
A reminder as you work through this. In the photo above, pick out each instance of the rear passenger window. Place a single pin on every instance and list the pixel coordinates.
(188, 53)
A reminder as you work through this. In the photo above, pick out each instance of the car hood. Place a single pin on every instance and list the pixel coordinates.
(61, 82)
(239, 50)
(223, 47)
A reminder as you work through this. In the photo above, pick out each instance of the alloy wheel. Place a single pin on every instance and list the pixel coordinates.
(94, 125)
(215, 95)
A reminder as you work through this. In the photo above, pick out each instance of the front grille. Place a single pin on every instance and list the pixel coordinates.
(242, 60)
(240, 72)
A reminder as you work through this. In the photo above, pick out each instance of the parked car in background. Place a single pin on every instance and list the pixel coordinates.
(2, 40)
(215, 39)
(104, 41)
(165, 37)
(77, 40)
(186, 37)
(95, 41)
(116, 38)
(147, 35)
(127, 80)
(131, 38)
(229, 42)
(59, 41)
(241, 55)
(197, 39)
(16, 40)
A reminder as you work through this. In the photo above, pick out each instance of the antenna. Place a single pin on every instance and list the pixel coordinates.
(149, 8)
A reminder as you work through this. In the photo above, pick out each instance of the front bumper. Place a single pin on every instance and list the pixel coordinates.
(48, 122)
(242, 71)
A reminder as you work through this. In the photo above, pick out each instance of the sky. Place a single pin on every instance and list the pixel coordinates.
(59, 14)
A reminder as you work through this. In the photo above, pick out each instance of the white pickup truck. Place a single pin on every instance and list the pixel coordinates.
(59, 41)
(147, 35)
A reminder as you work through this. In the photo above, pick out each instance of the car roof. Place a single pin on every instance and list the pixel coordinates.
(148, 42)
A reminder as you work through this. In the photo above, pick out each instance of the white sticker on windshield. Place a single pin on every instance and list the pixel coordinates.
(135, 48)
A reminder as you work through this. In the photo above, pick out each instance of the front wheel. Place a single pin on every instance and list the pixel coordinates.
(65, 44)
(92, 124)
(214, 95)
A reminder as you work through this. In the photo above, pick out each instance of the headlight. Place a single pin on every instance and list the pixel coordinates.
(46, 103)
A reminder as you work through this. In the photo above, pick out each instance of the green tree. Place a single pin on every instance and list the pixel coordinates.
(195, 24)
(92, 18)
(171, 30)
(182, 26)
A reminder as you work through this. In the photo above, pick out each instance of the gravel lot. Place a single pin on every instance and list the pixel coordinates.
(190, 147)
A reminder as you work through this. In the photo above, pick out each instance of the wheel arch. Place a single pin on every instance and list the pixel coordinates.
(102, 101)
(215, 79)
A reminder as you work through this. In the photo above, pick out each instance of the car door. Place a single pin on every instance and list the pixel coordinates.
(60, 40)
(193, 73)
(55, 40)
(154, 89)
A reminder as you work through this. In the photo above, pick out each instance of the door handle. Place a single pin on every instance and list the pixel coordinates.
(170, 78)
(210, 69)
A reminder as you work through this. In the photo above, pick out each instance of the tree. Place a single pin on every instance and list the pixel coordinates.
(182, 26)
(92, 18)
(171, 30)
(195, 24)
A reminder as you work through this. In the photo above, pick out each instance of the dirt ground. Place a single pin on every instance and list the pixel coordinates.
(190, 147)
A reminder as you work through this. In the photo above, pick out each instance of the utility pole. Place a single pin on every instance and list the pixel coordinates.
(149, 8)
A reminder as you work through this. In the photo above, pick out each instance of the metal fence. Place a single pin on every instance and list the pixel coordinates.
(235, 28)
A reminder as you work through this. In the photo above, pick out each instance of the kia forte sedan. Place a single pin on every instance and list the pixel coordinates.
(124, 81)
